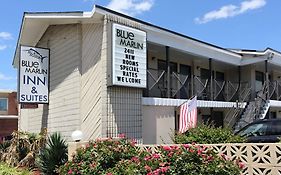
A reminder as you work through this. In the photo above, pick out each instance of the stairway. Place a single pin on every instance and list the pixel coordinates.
(264, 110)
(250, 114)
(254, 110)
(234, 113)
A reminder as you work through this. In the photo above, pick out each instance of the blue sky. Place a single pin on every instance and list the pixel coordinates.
(246, 24)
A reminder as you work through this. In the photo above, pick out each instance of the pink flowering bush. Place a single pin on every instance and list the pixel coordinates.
(121, 156)
(99, 156)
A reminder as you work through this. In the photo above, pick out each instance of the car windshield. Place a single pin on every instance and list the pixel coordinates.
(254, 130)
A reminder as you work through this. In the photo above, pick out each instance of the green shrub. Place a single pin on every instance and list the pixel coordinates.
(121, 156)
(53, 155)
(7, 170)
(208, 134)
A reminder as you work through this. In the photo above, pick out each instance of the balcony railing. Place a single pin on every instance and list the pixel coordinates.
(184, 87)
(274, 90)
(156, 83)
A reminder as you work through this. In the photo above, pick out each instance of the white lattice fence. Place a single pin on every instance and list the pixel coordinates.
(259, 158)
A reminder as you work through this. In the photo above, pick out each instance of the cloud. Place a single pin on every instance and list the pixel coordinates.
(231, 10)
(5, 77)
(3, 47)
(6, 35)
(131, 7)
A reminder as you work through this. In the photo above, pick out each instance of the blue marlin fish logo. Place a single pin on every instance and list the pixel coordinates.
(34, 53)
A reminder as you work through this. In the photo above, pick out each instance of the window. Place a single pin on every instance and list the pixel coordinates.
(258, 129)
(205, 73)
(275, 128)
(3, 104)
(219, 76)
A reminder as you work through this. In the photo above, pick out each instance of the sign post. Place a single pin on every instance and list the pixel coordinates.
(34, 75)
(128, 56)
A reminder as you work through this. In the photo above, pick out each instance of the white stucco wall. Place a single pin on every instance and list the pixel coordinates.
(158, 124)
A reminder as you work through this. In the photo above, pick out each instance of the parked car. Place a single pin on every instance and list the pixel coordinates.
(262, 131)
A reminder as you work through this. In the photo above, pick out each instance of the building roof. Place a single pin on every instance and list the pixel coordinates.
(257, 52)
(6, 91)
(161, 28)
(34, 25)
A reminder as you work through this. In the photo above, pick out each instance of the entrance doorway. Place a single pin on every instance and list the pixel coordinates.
(185, 90)
(259, 81)
(216, 119)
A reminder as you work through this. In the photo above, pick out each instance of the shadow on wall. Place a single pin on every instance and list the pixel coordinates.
(64, 42)
(44, 121)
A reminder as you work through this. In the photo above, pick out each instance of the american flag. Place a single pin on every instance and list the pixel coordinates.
(188, 115)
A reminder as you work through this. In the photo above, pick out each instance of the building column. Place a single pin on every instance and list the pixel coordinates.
(192, 79)
(211, 78)
(239, 74)
(239, 80)
(212, 117)
(266, 79)
(168, 72)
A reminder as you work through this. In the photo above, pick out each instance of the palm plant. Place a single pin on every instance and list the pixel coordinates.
(53, 155)
(4, 145)
(23, 148)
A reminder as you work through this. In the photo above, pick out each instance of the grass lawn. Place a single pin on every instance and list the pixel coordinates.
(7, 170)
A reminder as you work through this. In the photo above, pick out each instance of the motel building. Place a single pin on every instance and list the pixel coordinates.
(105, 73)
(8, 114)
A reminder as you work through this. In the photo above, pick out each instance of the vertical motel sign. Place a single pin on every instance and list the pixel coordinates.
(34, 75)
(128, 56)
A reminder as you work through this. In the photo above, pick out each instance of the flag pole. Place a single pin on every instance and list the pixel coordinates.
(187, 100)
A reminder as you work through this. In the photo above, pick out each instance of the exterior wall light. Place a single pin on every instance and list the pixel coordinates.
(270, 56)
(77, 135)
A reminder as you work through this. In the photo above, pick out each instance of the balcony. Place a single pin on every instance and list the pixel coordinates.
(182, 86)
(274, 90)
